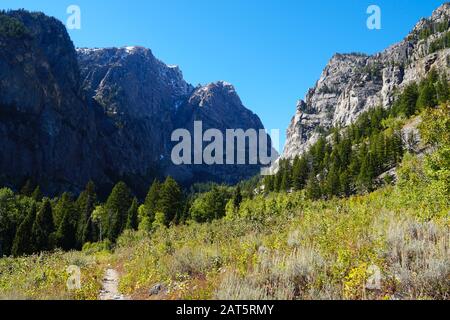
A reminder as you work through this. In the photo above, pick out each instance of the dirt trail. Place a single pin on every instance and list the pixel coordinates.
(110, 289)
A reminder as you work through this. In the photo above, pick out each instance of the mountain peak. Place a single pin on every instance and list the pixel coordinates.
(351, 84)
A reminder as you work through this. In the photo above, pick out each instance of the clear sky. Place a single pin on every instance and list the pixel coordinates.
(271, 50)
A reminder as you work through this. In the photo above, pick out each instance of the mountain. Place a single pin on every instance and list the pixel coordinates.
(353, 83)
(70, 115)
(47, 131)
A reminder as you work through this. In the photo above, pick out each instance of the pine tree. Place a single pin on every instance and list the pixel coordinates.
(344, 180)
(86, 202)
(132, 220)
(23, 242)
(37, 194)
(313, 190)
(170, 201)
(268, 183)
(237, 197)
(68, 221)
(408, 100)
(299, 173)
(277, 180)
(151, 201)
(333, 183)
(366, 174)
(427, 97)
(43, 227)
(285, 181)
(117, 205)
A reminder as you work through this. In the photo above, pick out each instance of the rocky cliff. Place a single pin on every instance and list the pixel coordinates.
(353, 83)
(47, 131)
(68, 116)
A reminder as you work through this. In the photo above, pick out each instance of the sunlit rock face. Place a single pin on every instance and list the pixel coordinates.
(353, 83)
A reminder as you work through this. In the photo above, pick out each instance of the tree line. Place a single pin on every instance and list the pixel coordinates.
(349, 161)
(341, 163)
(31, 223)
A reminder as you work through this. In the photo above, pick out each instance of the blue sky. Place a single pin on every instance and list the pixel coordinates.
(271, 50)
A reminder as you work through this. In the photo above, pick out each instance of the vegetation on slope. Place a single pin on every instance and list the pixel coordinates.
(232, 243)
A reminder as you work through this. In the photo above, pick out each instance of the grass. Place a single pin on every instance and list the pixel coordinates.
(45, 276)
(389, 244)
(302, 250)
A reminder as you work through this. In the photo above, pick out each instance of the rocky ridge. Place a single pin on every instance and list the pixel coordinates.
(353, 83)
(70, 115)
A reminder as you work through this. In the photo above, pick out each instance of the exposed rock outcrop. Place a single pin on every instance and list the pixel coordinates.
(353, 83)
(68, 116)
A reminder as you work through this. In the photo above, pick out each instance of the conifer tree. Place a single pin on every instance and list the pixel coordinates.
(268, 183)
(313, 190)
(43, 227)
(117, 205)
(132, 220)
(408, 100)
(86, 229)
(427, 97)
(37, 194)
(23, 242)
(344, 181)
(285, 181)
(333, 182)
(299, 173)
(68, 221)
(366, 174)
(170, 201)
(237, 197)
(151, 201)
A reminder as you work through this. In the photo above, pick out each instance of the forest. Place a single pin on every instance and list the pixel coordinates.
(342, 163)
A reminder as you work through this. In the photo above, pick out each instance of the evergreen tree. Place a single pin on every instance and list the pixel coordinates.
(366, 174)
(68, 220)
(151, 201)
(408, 100)
(344, 181)
(237, 197)
(170, 201)
(37, 194)
(23, 242)
(285, 181)
(117, 205)
(427, 97)
(299, 173)
(43, 227)
(313, 190)
(132, 220)
(86, 202)
(333, 183)
(268, 183)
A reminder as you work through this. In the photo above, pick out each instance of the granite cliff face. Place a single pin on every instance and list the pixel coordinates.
(47, 131)
(68, 116)
(353, 83)
(217, 106)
